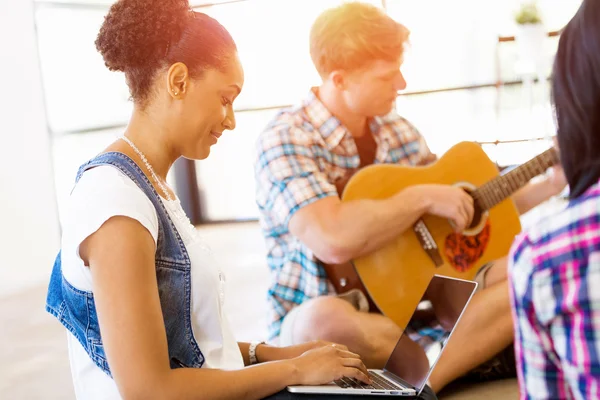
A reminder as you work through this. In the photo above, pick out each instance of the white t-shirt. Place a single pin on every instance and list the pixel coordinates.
(104, 192)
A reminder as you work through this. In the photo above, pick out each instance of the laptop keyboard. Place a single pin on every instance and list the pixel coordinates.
(377, 382)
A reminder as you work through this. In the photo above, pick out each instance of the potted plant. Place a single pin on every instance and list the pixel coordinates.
(530, 36)
(528, 14)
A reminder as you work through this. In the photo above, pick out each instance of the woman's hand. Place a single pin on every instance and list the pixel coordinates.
(266, 353)
(325, 364)
(299, 349)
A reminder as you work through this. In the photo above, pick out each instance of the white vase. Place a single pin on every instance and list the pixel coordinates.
(531, 47)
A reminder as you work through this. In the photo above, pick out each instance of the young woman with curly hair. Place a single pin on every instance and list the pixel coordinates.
(139, 294)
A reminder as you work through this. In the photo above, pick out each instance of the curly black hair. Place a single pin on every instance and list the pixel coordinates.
(141, 37)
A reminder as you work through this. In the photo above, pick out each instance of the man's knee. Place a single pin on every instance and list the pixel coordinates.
(326, 318)
(492, 273)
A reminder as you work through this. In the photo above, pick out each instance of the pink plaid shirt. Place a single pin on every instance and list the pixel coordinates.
(554, 279)
(300, 156)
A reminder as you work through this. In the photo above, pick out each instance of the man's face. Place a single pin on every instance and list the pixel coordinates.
(371, 90)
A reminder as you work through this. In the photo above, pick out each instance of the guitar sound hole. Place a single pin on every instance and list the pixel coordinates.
(477, 212)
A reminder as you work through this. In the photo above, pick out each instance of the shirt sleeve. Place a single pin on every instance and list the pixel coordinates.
(287, 173)
(101, 193)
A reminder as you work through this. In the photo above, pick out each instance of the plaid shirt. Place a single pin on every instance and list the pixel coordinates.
(555, 293)
(300, 156)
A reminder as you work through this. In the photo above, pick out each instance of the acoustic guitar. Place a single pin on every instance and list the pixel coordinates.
(395, 277)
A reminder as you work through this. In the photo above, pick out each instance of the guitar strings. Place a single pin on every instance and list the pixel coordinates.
(488, 194)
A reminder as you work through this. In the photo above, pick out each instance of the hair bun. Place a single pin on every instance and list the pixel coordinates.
(136, 33)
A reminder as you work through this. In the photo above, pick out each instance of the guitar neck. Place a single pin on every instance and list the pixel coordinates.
(500, 188)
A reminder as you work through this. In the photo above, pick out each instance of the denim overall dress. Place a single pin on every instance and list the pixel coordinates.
(76, 309)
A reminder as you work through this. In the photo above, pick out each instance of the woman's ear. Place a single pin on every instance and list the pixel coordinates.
(178, 78)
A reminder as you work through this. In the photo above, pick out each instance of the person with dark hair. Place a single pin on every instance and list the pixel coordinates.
(139, 294)
(554, 268)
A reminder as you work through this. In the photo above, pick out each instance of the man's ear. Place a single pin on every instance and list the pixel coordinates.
(338, 78)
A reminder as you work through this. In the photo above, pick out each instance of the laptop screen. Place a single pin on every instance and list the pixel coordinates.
(428, 330)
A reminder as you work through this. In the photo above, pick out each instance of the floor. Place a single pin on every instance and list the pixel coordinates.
(34, 364)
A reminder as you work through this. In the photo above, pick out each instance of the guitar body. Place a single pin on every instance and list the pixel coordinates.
(396, 276)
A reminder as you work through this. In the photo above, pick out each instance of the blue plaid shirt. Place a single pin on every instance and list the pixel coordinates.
(300, 156)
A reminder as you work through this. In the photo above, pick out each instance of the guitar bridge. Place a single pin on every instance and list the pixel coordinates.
(428, 243)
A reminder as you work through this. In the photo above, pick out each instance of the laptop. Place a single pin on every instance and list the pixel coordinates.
(411, 363)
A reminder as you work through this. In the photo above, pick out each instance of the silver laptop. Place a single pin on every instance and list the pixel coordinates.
(419, 347)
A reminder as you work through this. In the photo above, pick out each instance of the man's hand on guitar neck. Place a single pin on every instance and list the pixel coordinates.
(337, 231)
(535, 193)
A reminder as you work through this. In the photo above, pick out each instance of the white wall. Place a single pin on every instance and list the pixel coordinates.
(29, 227)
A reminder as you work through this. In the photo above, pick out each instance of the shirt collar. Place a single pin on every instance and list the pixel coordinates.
(331, 128)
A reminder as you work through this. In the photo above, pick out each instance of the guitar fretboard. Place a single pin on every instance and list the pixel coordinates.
(500, 188)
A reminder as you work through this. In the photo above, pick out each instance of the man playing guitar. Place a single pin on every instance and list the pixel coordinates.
(305, 157)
